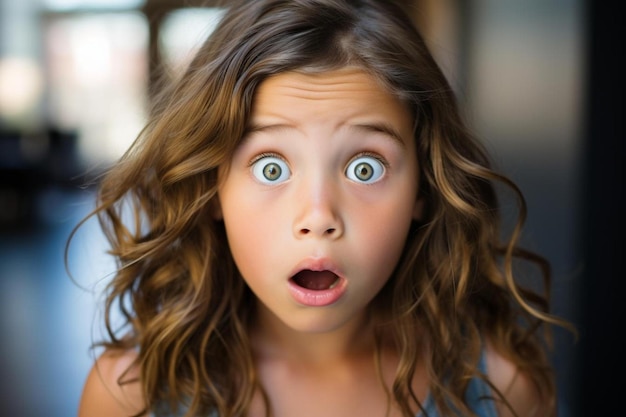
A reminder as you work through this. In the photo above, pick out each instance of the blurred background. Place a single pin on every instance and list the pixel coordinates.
(539, 80)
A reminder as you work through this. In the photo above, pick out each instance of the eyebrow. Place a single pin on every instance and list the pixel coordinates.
(255, 127)
(378, 127)
(384, 128)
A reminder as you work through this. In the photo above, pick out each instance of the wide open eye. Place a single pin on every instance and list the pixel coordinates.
(365, 169)
(270, 170)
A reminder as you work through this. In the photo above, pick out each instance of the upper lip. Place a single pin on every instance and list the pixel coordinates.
(316, 264)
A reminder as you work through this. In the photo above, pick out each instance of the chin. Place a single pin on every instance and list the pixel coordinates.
(316, 322)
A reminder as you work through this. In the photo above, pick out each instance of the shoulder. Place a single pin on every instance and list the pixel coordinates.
(112, 388)
(517, 388)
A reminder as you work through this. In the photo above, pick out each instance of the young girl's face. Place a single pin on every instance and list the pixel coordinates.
(318, 199)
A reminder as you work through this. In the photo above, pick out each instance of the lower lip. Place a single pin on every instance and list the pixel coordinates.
(317, 298)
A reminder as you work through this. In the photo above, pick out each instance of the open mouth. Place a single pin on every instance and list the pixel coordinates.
(315, 280)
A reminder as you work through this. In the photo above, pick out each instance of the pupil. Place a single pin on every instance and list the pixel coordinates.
(364, 171)
(272, 171)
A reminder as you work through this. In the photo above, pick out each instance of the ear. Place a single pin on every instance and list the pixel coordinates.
(418, 209)
(215, 208)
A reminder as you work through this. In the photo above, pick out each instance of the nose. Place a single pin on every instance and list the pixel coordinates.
(318, 213)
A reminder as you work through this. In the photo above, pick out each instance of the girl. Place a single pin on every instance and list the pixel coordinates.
(315, 233)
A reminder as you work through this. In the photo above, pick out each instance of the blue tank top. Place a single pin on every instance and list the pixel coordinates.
(478, 397)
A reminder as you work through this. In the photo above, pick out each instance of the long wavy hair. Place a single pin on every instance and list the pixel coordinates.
(185, 306)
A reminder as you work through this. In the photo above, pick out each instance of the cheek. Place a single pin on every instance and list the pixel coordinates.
(249, 228)
(382, 241)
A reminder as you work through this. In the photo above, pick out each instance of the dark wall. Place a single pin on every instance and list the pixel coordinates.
(601, 390)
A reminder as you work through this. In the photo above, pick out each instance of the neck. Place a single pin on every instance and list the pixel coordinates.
(273, 339)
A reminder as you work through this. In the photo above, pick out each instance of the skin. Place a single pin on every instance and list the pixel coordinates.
(318, 128)
(318, 214)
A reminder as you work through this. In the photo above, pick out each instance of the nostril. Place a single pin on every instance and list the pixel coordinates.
(330, 232)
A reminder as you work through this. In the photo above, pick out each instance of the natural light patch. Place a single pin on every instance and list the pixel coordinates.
(97, 69)
(184, 31)
(60, 5)
(21, 86)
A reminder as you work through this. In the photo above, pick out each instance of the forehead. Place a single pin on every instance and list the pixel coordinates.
(323, 84)
(349, 90)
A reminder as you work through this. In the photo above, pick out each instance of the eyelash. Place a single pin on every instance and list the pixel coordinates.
(374, 155)
(260, 156)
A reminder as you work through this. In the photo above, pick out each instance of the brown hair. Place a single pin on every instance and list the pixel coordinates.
(186, 307)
